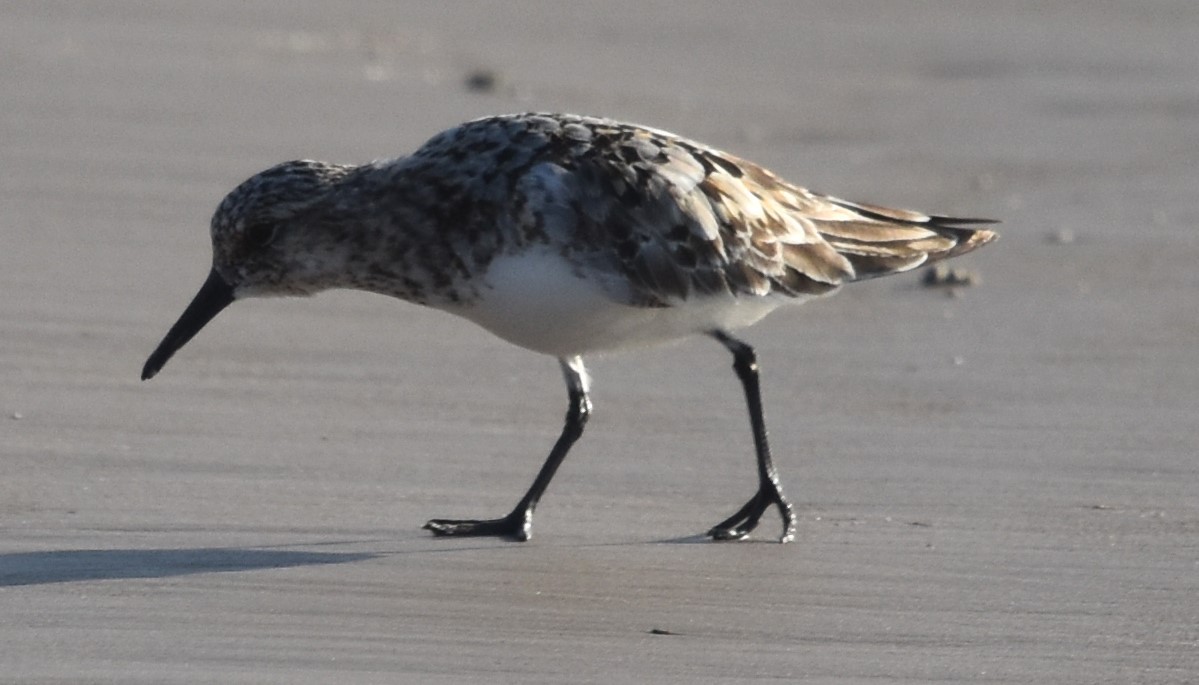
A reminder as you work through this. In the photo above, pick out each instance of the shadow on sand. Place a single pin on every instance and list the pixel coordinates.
(64, 566)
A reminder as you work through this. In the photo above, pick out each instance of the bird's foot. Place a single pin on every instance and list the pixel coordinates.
(739, 525)
(515, 526)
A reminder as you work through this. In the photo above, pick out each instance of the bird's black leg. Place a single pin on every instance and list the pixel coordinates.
(737, 526)
(518, 524)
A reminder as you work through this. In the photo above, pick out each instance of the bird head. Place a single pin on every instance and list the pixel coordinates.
(268, 238)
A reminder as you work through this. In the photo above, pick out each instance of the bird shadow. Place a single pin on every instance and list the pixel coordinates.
(69, 565)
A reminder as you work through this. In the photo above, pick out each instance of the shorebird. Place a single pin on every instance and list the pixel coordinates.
(566, 235)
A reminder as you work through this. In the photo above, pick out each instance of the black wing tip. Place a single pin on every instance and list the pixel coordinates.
(890, 215)
(950, 221)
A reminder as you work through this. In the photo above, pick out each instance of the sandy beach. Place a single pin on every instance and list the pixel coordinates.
(998, 485)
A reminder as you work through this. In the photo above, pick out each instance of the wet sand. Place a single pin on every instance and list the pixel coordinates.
(995, 487)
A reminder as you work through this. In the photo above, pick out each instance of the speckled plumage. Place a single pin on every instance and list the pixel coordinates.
(566, 235)
(669, 219)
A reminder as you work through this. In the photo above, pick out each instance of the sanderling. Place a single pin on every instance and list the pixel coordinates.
(565, 235)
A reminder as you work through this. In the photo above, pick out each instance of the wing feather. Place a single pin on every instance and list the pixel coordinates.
(679, 220)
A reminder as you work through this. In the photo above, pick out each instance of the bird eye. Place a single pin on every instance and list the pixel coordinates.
(259, 235)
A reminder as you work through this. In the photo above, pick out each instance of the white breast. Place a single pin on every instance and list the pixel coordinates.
(536, 300)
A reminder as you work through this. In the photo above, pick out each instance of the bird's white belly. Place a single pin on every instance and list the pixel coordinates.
(534, 299)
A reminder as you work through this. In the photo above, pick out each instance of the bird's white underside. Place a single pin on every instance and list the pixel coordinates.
(536, 300)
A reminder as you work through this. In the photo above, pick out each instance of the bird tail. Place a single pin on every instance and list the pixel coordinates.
(882, 241)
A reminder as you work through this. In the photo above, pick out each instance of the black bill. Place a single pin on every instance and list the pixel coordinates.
(214, 296)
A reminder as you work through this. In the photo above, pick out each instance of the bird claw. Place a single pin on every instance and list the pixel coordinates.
(739, 525)
(722, 533)
(513, 527)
